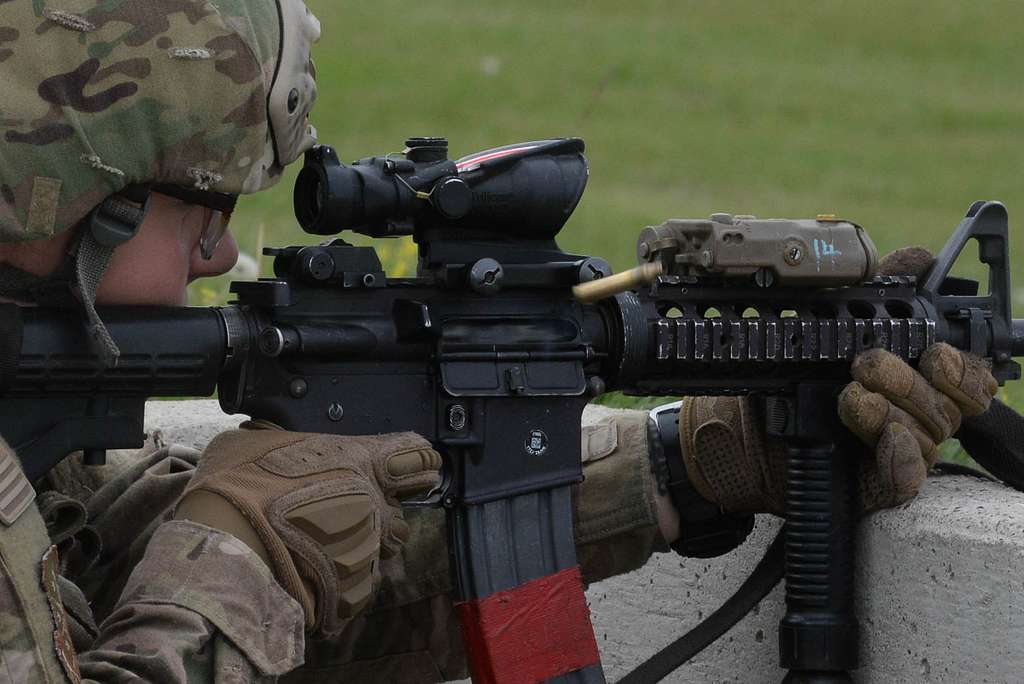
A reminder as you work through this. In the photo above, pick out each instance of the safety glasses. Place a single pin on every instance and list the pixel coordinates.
(219, 207)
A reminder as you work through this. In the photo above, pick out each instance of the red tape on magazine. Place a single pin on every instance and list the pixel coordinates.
(531, 633)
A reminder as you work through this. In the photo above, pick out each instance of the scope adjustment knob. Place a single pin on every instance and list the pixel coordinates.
(426, 141)
(485, 276)
(452, 198)
(316, 264)
(426, 149)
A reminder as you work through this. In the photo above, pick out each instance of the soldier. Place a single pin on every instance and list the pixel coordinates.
(129, 130)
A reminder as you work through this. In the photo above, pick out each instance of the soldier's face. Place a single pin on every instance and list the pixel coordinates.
(156, 265)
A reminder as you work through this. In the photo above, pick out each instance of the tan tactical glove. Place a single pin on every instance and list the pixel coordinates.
(319, 509)
(901, 414)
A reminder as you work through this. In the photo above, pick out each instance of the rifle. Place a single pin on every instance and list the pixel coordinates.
(490, 355)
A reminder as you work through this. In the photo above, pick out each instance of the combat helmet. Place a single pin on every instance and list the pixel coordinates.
(105, 100)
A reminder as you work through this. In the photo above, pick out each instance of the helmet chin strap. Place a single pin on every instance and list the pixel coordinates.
(112, 223)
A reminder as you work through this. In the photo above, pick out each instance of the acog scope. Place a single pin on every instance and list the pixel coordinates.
(526, 191)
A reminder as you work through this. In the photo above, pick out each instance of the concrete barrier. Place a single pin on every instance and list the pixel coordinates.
(940, 586)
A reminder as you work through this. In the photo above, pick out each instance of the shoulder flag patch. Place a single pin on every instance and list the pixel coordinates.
(16, 493)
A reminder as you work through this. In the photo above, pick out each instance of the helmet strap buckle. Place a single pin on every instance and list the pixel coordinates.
(117, 219)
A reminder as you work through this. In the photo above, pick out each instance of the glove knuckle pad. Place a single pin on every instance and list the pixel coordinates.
(346, 531)
(413, 463)
(354, 595)
(410, 470)
(338, 525)
(320, 504)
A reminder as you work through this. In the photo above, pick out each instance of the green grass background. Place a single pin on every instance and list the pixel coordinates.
(894, 114)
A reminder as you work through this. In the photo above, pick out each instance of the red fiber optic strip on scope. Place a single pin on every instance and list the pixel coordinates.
(473, 162)
(530, 633)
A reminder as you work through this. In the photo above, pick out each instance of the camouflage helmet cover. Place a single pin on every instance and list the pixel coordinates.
(100, 94)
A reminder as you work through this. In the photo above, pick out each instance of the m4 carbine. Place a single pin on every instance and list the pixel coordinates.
(490, 355)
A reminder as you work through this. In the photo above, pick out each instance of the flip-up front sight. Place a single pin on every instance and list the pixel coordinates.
(524, 191)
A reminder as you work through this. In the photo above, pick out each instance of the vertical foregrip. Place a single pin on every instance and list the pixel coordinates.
(818, 636)
(519, 594)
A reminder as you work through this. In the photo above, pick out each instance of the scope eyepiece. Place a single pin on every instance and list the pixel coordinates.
(311, 188)
(330, 196)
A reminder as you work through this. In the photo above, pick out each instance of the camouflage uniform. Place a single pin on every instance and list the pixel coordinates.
(102, 94)
(197, 606)
(177, 601)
